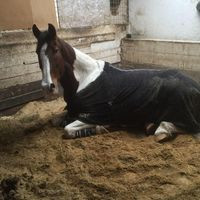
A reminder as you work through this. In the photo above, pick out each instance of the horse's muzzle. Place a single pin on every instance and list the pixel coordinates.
(48, 87)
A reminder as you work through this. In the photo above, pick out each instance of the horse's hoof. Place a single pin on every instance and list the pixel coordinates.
(163, 137)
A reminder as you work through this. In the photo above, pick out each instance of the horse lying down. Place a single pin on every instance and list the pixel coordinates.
(98, 94)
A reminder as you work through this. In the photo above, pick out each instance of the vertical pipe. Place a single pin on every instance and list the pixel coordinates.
(57, 13)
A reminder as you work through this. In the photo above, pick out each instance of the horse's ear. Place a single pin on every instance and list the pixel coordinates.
(36, 31)
(51, 31)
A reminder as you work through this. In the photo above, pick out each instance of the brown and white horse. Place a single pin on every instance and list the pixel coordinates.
(57, 59)
(67, 70)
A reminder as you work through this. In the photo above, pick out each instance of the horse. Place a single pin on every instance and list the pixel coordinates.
(98, 94)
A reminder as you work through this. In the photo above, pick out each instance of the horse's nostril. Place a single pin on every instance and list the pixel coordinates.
(52, 86)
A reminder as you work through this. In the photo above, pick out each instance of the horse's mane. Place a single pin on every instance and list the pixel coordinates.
(67, 51)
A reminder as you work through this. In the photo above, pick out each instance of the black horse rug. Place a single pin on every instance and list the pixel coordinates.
(135, 97)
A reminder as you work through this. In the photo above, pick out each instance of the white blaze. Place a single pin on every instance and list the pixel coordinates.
(46, 76)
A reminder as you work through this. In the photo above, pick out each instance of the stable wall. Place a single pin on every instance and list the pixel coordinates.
(182, 55)
(20, 75)
(161, 19)
(90, 13)
(87, 25)
(164, 34)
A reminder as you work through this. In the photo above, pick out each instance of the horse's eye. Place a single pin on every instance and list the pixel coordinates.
(55, 50)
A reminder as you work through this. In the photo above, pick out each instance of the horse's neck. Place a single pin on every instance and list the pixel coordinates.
(86, 69)
(68, 83)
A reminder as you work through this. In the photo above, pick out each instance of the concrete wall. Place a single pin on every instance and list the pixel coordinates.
(165, 34)
(81, 13)
(20, 75)
(180, 55)
(161, 19)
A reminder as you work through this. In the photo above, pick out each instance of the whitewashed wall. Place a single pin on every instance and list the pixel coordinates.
(165, 19)
(81, 13)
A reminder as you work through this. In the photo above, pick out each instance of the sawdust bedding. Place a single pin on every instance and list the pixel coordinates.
(36, 163)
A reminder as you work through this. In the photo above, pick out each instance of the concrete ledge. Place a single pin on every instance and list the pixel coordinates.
(26, 36)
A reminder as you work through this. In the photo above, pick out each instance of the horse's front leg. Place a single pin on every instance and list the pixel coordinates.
(79, 129)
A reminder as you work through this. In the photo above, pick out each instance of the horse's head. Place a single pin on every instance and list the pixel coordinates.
(54, 57)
